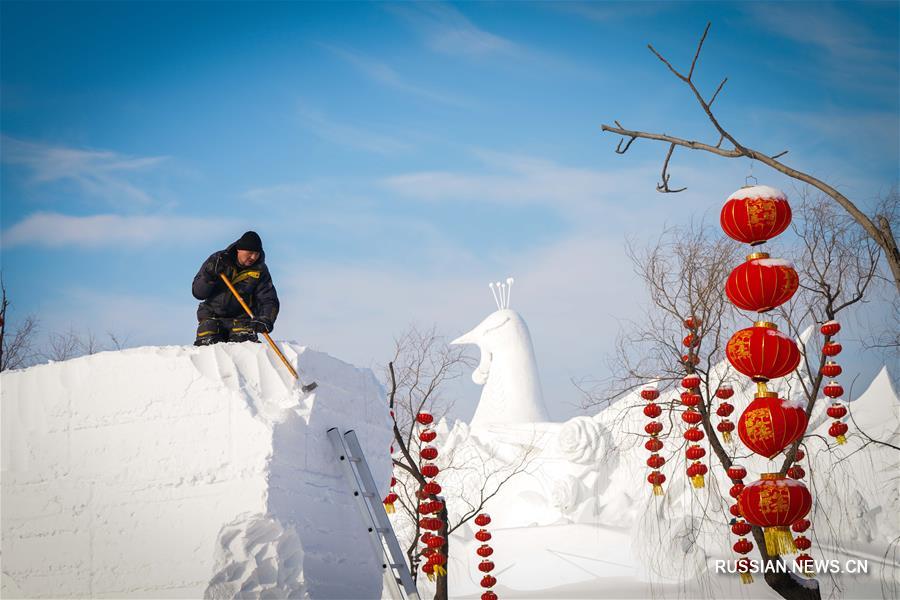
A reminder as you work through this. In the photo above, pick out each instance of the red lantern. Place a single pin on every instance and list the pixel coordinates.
(832, 349)
(796, 472)
(725, 391)
(736, 490)
(429, 453)
(483, 535)
(653, 427)
(694, 434)
(690, 341)
(836, 411)
(743, 546)
(774, 503)
(755, 214)
(389, 502)
(483, 520)
(830, 328)
(649, 393)
(800, 454)
(690, 381)
(740, 528)
(761, 283)
(429, 470)
(484, 550)
(769, 424)
(488, 581)
(831, 369)
(696, 471)
(690, 398)
(428, 435)
(692, 417)
(653, 445)
(736, 472)
(489, 595)
(735, 510)
(833, 390)
(692, 322)
(690, 360)
(801, 525)
(724, 409)
(725, 427)
(838, 431)
(424, 418)
(656, 479)
(486, 566)
(656, 461)
(744, 567)
(652, 410)
(762, 352)
(695, 452)
(432, 488)
(435, 541)
(802, 543)
(806, 563)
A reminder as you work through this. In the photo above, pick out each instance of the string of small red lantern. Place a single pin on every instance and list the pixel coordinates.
(392, 497)
(690, 399)
(739, 526)
(833, 389)
(654, 444)
(484, 551)
(429, 504)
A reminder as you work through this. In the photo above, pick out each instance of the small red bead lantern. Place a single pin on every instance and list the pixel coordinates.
(755, 214)
(691, 399)
(775, 502)
(649, 393)
(692, 322)
(424, 418)
(725, 427)
(652, 410)
(689, 359)
(833, 390)
(740, 528)
(656, 461)
(735, 510)
(831, 369)
(761, 283)
(696, 471)
(736, 472)
(736, 490)
(488, 581)
(802, 543)
(691, 417)
(427, 435)
(801, 525)
(653, 445)
(483, 535)
(429, 453)
(724, 409)
(796, 472)
(838, 431)
(483, 520)
(695, 452)
(830, 328)
(743, 546)
(389, 501)
(486, 566)
(690, 341)
(694, 434)
(832, 349)
(836, 411)
(762, 352)
(432, 488)
(656, 479)
(653, 428)
(489, 595)
(768, 425)
(725, 391)
(690, 381)
(484, 550)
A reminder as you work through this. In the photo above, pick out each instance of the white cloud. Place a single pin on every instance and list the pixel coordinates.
(448, 31)
(97, 173)
(348, 135)
(386, 75)
(57, 230)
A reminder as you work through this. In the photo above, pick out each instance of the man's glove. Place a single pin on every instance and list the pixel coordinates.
(219, 266)
(261, 325)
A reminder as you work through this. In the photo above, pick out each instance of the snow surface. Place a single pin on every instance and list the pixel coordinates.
(183, 472)
(757, 191)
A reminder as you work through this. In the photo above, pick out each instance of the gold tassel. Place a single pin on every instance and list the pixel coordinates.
(440, 571)
(726, 437)
(657, 490)
(779, 541)
(841, 439)
(698, 481)
(430, 576)
(389, 507)
(746, 577)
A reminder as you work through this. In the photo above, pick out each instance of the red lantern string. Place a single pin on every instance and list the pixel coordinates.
(834, 390)
(484, 551)
(429, 504)
(654, 444)
(691, 399)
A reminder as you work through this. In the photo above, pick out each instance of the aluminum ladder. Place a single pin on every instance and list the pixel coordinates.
(397, 578)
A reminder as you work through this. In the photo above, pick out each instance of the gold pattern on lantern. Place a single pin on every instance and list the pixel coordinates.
(740, 344)
(758, 424)
(774, 499)
(760, 211)
(790, 279)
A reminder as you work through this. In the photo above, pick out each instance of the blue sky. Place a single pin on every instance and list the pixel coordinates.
(397, 157)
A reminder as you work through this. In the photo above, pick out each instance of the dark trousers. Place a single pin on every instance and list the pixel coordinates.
(213, 331)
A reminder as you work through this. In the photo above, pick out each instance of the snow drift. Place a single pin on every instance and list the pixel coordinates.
(186, 472)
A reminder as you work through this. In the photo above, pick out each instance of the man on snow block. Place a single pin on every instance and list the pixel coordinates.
(221, 317)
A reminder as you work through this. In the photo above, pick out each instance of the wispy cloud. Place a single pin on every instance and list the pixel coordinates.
(382, 73)
(605, 12)
(97, 173)
(348, 135)
(55, 230)
(447, 30)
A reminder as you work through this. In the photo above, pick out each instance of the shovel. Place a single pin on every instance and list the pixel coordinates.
(306, 388)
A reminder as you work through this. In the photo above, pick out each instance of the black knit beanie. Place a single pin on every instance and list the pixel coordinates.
(250, 241)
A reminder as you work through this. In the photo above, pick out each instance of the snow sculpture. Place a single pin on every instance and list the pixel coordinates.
(508, 369)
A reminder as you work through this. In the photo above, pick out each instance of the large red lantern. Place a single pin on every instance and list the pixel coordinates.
(769, 424)
(755, 214)
(761, 283)
(774, 503)
(762, 352)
